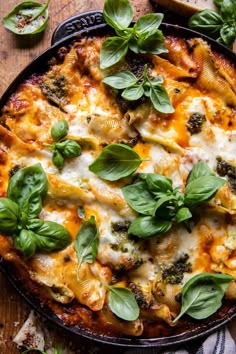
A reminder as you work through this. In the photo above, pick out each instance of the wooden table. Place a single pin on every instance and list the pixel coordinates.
(15, 53)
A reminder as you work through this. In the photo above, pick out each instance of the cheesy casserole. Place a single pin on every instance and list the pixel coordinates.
(201, 85)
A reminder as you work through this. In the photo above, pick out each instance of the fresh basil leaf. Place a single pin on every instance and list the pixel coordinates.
(9, 214)
(228, 34)
(133, 93)
(202, 190)
(202, 295)
(86, 241)
(34, 224)
(121, 80)
(81, 212)
(161, 100)
(28, 17)
(26, 243)
(69, 148)
(113, 50)
(148, 24)
(158, 184)
(26, 184)
(206, 21)
(59, 130)
(118, 13)
(152, 43)
(228, 12)
(124, 33)
(165, 202)
(201, 169)
(148, 226)
(122, 303)
(115, 161)
(133, 44)
(58, 159)
(139, 198)
(183, 214)
(51, 237)
(34, 350)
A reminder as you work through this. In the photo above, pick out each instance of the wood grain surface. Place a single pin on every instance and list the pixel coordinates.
(15, 53)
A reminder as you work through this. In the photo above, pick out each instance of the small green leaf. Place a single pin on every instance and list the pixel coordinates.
(156, 81)
(206, 21)
(28, 17)
(158, 184)
(122, 303)
(58, 159)
(183, 214)
(228, 34)
(26, 243)
(148, 226)
(81, 212)
(9, 214)
(201, 169)
(59, 130)
(86, 241)
(133, 93)
(68, 148)
(161, 100)
(148, 24)
(202, 295)
(139, 198)
(118, 13)
(113, 50)
(228, 12)
(51, 236)
(116, 161)
(153, 43)
(202, 190)
(121, 80)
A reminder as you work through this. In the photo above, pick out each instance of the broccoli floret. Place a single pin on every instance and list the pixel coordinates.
(195, 122)
(174, 273)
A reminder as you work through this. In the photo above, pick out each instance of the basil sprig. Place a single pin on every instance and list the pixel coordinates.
(134, 88)
(160, 205)
(144, 37)
(221, 26)
(28, 17)
(202, 295)
(62, 148)
(86, 241)
(19, 214)
(116, 161)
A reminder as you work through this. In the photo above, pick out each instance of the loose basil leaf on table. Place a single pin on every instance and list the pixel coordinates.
(116, 161)
(28, 17)
(26, 185)
(206, 21)
(148, 226)
(86, 241)
(122, 303)
(202, 295)
(59, 130)
(118, 14)
(9, 215)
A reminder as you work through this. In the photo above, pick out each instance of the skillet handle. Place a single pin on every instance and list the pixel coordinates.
(78, 24)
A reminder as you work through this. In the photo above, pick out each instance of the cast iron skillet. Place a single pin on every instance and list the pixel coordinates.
(89, 24)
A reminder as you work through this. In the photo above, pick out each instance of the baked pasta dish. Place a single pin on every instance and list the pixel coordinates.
(118, 180)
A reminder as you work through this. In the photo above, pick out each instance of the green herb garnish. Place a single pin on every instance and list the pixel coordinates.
(143, 37)
(221, 26)
(28, 17)
(134, 88)
(202, 295)
(19, 214)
